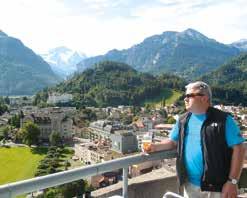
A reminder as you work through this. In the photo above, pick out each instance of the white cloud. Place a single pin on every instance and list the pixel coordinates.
(96, 26)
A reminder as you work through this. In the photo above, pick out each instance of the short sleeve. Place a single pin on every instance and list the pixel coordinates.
(174, 133)
(233, 135)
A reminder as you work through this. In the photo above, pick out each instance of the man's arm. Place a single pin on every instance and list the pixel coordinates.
(230, 190)
(237, 161)
(167, 144)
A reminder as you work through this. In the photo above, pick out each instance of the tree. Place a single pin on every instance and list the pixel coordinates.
(15, 121)
(4, 132)
(55, 139)
(30, 133)
(7, 100)
(163, 102)
(73, 189)
(148, 107)
(171, 120)
(3, 108)
(3, 141)
(126, 119)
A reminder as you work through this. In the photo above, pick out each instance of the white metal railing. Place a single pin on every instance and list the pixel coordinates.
(38, 183)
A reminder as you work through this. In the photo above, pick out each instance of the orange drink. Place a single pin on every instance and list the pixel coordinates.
(146, 145)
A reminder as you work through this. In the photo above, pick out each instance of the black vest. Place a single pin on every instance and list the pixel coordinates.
(216, 154)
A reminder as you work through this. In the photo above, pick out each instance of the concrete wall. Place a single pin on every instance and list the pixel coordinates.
(154, 185)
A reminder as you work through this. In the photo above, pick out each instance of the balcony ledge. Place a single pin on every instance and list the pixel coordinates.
(155, 183)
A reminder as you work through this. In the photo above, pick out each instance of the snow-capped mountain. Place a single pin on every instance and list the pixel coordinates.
(241, 44)
(63, 60)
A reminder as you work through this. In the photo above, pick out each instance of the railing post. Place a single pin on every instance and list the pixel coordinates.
(125, 182)
(6, 194)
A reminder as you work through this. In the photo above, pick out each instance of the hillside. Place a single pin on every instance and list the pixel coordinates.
(22, 71)
(230, 80)
(111, 83)
(188, 54)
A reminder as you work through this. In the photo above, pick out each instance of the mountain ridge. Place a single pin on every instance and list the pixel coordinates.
(22, 71)
(188, 54)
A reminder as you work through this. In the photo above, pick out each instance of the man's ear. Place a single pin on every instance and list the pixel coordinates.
(205, 99)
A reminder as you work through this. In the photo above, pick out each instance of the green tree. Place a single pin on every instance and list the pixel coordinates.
(3, 141)
(148, 107)
(15, 121)
(126, 119)
(7, 100)
(30, 133)
(171, 120)
(74, 189)
(4, 132)
(55, 139)
(163, 102)
(3, 108)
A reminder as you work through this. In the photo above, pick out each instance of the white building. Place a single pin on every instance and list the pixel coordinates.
(91, 153)
(20, 100)
(55, 97)
(57, 122)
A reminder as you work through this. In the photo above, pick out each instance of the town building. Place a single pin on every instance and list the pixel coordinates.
(124, 141)
(94, 152)
(55, 120)
(102, 129)
(55, 98)
(20, 100)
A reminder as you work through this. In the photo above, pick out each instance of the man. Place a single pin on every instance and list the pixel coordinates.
(209, 145)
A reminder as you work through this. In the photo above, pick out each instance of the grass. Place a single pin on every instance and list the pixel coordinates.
(169, 95)
(19, 163)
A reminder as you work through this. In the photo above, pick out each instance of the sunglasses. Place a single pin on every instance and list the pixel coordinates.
(192, 95)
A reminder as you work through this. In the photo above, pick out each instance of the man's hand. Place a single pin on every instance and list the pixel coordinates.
(161, 146)
(148, 148)
(229, 190)
(152, 148)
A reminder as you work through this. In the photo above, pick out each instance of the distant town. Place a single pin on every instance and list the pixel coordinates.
(98, 134)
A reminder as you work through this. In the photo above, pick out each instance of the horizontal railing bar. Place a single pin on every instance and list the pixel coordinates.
(38, 183)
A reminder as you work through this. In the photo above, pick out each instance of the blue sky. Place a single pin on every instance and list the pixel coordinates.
(97, 26)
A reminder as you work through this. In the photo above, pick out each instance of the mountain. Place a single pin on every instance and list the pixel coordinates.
(63, 60)
(22, 71)
(229, 81)
(241, 45)
(112, 83)
(188, 54)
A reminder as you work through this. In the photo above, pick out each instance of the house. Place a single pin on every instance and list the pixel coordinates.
(55, 98)
(143, 124)
(51, 122)
(94, 152)
(43, 122)
(102, 129)
(124, 141)
(20, 100)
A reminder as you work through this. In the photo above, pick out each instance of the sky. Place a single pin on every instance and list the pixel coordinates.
(97, 26)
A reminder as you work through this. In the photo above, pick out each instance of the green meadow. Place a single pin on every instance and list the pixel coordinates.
(19, 163)
(169, 95)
